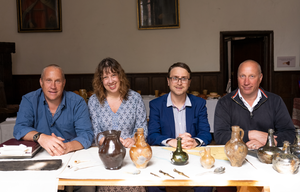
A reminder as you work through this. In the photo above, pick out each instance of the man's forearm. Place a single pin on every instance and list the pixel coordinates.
(29, 136)
(73, 146)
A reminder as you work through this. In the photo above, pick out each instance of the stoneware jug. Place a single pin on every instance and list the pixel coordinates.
(83, 94)
(207, 160)
(285, 162)
(141, 152)
(265, 154)
(235, 149)
(179, 157)
(111, 152)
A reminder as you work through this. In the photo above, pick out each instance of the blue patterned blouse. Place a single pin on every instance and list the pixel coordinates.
(130, 116)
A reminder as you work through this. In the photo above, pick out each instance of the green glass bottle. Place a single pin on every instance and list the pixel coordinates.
(179, 157)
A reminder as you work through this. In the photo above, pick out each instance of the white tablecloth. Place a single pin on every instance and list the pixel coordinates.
(258, 172)
(33, 181)
(6, 130)
(211, 107)
(147, 99)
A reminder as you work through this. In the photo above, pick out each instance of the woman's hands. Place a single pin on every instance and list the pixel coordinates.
(129, 142)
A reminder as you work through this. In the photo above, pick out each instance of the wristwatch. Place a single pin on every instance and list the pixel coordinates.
(36, 137)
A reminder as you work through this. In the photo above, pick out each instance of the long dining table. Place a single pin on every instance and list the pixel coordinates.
(251, 174)
(90, 171)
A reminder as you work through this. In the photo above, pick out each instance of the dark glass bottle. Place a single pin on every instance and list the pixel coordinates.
(179, 157)
(266, 153)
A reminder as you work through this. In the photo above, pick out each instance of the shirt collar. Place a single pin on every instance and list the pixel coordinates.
(186, 104)
(62, 103)
(258, 97)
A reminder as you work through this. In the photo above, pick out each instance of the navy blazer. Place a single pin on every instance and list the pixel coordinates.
(162, 124)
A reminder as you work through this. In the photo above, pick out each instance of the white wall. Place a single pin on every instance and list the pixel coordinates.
(95, 29)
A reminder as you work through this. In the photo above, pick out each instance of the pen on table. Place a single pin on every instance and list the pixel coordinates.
(180, 173)
(154, 174)
(167, 174)
(250, 163)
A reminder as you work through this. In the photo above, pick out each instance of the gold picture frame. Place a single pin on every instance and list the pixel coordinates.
(39, 16)
(158, 14)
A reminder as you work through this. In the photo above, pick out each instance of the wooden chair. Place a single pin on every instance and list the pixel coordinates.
(6, 110)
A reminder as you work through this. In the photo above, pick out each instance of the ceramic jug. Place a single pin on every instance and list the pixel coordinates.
(285, 162)
(141, 152)
(207, 160)
(83, 94)
(295, 148)
(265, 154)
(179, 157)
(111, 152)
(235, 149)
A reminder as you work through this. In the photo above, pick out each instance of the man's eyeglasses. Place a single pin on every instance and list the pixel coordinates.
(177, 79)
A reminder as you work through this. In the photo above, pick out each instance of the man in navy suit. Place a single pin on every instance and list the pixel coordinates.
(179, 114)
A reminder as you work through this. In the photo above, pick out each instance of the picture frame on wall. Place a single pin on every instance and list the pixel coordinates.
(158, 14)
(286, 63)
(39, 16)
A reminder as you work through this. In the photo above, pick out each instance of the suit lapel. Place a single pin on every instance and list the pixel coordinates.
(170, 118)
(189, 117)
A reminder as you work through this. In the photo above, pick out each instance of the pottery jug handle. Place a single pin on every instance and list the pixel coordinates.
(242, 133)
(97, 138)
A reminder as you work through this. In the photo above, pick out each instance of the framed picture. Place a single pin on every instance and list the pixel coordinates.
(286, 63)
(158, 14)
(39, 16)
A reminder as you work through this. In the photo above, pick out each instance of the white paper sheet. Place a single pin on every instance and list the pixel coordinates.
(33, 181)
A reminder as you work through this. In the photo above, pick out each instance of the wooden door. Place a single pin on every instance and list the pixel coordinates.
(244, 49)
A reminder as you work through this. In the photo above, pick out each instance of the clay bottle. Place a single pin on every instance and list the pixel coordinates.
(207, 161)
(141, 152)
(235, 149)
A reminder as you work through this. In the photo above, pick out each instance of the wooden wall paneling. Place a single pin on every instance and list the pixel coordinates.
(210, 82)
(142, 84)
(286, 86)
(159, 83)
(73, 82)
(24, 84)
(196, 83)
(88, 82)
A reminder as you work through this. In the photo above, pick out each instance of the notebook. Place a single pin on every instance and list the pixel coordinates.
(18, 149)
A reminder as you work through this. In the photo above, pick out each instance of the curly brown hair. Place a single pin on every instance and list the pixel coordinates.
(105, 66)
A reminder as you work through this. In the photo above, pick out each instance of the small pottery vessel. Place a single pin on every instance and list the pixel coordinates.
(265, 154)
(179, 157)
(285, 162)
(207, 161)
(83, 94)
(141, 152)
(295, 148)
(235, 149)
(111, 152)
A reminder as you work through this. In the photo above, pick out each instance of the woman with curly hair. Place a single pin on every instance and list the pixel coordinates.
(114, 106)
